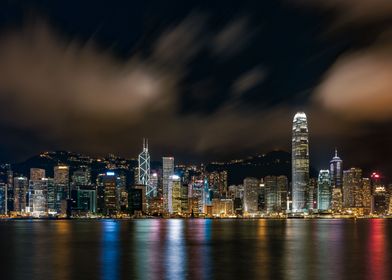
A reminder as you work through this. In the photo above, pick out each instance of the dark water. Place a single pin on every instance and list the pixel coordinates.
(196, 249)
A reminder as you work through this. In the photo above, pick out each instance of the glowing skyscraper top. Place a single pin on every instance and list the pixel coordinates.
(300, 162)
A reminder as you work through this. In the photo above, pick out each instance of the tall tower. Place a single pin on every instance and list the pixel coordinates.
(336, 171)
(168, 170)
(300, 161)
(144, 168)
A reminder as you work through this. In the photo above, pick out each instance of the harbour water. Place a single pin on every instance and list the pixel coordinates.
(196, 249)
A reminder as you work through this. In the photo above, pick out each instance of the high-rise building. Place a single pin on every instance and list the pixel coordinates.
(38, 197)
(282, 184)
(137, 200)
(168, 170)
(61, 181)
(154, 184)
(311, 194)
(196, 195)
(300, 162)
(37, 174)
(380, 201)
(337, 200)
(81, 177)
(352, 183)
(324, 195)
(336, 171)
(271, 193)
(109, 184)
(174, 195)
(144, 169)
(20, 192)
(3, 198)
(366, 196)
(251, 195)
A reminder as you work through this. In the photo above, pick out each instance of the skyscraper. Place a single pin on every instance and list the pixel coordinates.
(324, 195)
(174, 195)
(168, 170)
(300, 161)
(109, 183)
(352, 183)
(144, 168)
(20, 191)
(61, 181)
(251, 195)
(336, 171)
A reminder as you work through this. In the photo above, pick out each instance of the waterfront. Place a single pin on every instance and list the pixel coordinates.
(196, 249)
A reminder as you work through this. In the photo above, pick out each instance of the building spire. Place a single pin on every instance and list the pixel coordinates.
(336, 152)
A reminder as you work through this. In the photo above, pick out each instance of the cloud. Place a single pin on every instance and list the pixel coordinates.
(248, 80)
(359, 85)
(232, 38)
(65, 94)
(353, 12)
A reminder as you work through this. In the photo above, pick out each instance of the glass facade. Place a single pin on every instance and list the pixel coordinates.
(324, 190)
(300, 162)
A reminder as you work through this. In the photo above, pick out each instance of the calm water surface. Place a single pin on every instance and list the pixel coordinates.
(196, 249)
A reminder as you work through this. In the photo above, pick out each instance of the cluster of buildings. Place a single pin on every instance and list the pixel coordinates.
(112, 187)
(336, 191)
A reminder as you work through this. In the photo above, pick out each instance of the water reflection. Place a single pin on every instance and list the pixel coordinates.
(175, 254)
(378, 261)
(196, 249)
(110, 250)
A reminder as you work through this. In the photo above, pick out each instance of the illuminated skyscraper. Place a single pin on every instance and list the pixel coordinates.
(20, 192)
(300, 162)
(61, 181)
(168, 170)
(174, 194)
(324, 191)
(37, 174)
(352, 185)
(336, 171)
(251, 195)
(109, 184)
(144, 169)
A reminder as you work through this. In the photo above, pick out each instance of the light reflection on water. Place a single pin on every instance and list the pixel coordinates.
(196, 249)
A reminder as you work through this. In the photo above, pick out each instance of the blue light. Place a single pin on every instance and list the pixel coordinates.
(110, 173)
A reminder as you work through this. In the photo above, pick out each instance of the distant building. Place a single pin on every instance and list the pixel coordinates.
(251, 195)
(367, 195)
(380, 202)
(300, 162)
(144, 169)
(336, 171)
(337, 200)
(37, 174)
(352, 182)
(311, 194)
(174, 195)
(61, 181)
(20, 192)
(168, 170)
(109, 184)
(137, 204)
(38, 195)
(324, 191)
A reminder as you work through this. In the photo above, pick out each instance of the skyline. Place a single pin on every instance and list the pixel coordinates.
(120, 73)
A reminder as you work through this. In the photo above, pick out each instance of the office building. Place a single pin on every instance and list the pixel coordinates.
(300, 162)
(324, 195)
(251, 195)
(168, 170)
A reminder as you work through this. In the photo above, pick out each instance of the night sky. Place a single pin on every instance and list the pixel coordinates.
(202, 80)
